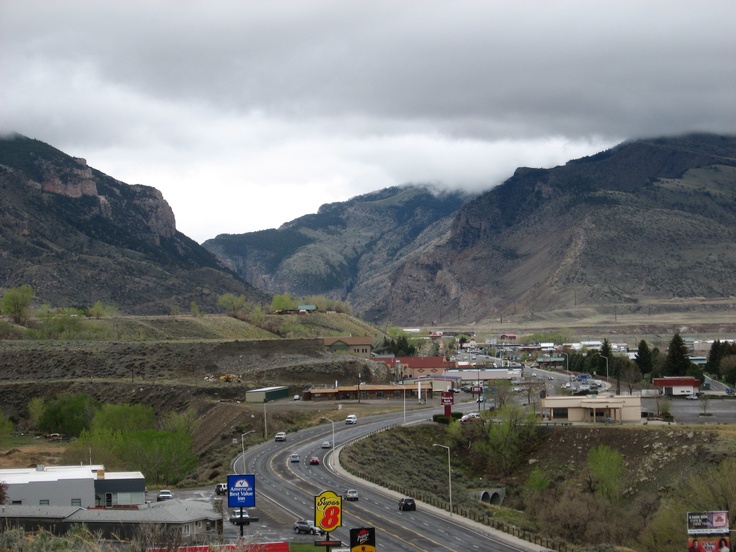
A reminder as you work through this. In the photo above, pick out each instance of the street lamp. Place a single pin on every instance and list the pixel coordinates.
(449, 472)
(265, 421)
(242, 445)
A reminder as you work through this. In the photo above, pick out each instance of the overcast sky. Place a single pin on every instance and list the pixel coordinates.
(247, 114)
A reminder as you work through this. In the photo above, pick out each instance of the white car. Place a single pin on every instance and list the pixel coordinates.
(326, 444)
(351, 494)
(294, 458)
(692, 397)
(280, 436)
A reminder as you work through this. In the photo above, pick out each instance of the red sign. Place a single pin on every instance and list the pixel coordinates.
(448, 397)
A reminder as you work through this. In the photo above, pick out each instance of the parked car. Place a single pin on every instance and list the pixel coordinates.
(164, 495)
(471, 416)
(221, 488)
(407, 504)
(351, 494)
(307, 526)
(294, 458)
(314, 461)
(480, 399)
(244, 518)
(326, 444)
(280, 436)
(692, 397)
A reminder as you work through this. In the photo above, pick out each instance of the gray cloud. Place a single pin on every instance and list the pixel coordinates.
(224, 103)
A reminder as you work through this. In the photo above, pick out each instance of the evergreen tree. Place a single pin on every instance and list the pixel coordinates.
(644, 358)
(678, 361)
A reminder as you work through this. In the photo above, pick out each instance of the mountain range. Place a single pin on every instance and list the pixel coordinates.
(648, 220)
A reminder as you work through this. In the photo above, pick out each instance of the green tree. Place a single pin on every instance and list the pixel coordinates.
(124, 417)
(69, 413)
(644, 358)
(99, 446)
(283, 302)
(606, 467)
(678, 361)
(6, 428)
(194, 309)
(630, 373)
(507, 442)
(182, 422)
(728, 369)
(164, 457)
(17, 303)
(100, 310)
(232, 304)
(36, 408)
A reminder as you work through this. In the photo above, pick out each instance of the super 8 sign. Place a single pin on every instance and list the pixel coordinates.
(328, 511)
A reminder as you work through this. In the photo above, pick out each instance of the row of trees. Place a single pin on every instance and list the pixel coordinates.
(120, 436)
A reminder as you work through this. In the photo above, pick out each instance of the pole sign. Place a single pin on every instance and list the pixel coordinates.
(363, 539)
(328, 511)
(241, 491)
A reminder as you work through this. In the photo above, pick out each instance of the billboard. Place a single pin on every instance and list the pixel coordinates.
(328, 511)
(241, 491)
(707, 523)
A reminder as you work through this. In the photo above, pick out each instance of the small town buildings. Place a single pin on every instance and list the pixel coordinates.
(83, 486)
(194, 521)
(358, 346)
(585, 409)
(267, 394)
(679, 386)
(370, 391)
(417, 367)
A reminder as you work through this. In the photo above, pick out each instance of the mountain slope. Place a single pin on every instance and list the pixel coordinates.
(347, 249)
(78, 236)
(647, 220)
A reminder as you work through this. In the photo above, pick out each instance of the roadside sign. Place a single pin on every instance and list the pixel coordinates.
(448, 398)
(706, 523)
(241, 491)
(363, 539)
(328, 511)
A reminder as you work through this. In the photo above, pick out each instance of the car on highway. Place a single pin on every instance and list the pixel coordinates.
(306, 526)
(351, 419)
(407, 503)
(280, 436)
(294, 458)
(221, 489)
(164, 495)
(351, 494)
(326, 444)
(314, 461)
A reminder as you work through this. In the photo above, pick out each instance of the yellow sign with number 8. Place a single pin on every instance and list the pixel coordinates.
(328, 511)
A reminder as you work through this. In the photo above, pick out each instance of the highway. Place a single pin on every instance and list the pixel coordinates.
(293, 486)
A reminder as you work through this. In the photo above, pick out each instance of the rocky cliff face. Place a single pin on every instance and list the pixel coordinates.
(76, 235)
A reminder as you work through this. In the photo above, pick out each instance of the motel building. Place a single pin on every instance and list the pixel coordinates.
(586, 409)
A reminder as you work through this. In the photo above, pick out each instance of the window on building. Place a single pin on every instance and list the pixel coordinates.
(108, 500)
(76, 501)
(43, 502)
(187, 529)
(559, 413)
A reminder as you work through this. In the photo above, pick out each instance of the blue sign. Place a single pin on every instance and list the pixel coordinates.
(241, 491)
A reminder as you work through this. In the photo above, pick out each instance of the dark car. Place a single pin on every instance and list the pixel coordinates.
(314, 461)
(407, 504)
